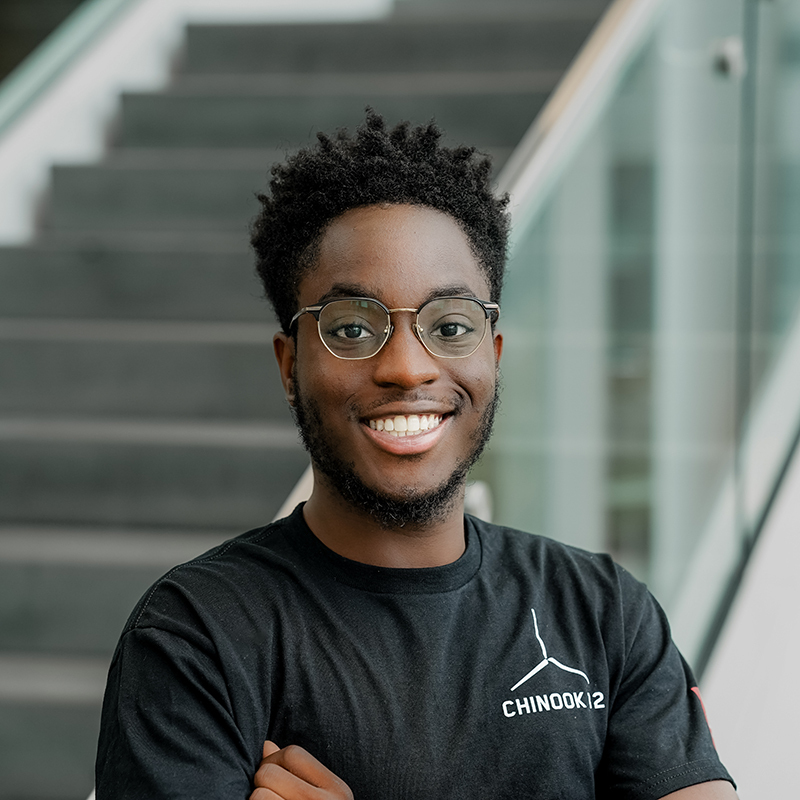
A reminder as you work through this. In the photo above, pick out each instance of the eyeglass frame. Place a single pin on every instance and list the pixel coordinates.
(489, 309)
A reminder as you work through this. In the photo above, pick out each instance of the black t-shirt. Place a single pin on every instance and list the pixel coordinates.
(526, 669)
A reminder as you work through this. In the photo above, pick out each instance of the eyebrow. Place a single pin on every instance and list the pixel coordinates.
(358, 290)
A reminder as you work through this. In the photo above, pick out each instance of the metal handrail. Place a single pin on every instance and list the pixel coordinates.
(579, 98)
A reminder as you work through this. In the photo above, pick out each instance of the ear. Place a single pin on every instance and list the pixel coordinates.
(498, 347)
(285, 356)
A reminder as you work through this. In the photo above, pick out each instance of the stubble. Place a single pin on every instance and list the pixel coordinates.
(412, 507)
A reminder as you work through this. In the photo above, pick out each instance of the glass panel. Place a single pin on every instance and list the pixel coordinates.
(777, 263)
(650, 295)
(773, 344)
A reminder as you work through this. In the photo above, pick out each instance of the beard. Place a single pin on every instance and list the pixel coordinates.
(413, 508)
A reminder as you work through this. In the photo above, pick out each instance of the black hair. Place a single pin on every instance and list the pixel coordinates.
(375, 166)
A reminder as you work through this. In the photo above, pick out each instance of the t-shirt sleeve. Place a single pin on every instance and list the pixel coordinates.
(658, 738)
(167, 728)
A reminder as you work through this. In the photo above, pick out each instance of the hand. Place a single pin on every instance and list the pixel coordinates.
(292, 773)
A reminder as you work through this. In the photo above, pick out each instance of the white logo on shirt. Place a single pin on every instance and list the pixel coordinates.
(546, 660)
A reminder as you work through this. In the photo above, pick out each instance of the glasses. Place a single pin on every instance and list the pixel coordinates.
(355, 328)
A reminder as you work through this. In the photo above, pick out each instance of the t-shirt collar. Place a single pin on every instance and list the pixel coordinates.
(388, 580)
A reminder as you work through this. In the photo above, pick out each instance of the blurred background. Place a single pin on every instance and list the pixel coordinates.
(651, 374)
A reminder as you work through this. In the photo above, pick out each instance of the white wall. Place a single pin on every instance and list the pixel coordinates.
(749, 686)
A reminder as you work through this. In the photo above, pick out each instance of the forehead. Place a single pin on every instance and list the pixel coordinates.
(399, 254)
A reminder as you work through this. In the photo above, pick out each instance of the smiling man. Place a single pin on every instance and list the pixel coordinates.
(378, 643)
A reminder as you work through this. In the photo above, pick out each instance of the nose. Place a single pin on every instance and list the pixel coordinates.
(403, 361)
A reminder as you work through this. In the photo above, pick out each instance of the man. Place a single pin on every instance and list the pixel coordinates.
(377, 643)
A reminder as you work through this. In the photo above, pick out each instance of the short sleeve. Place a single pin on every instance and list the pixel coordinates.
(167, 727)
(658, 738)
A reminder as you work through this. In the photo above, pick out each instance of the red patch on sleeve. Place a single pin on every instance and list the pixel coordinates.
(696, 691)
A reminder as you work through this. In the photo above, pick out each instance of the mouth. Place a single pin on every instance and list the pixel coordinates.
(401, 425)
(407, 434)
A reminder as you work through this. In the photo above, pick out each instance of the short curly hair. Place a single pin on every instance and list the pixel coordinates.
(375, 166)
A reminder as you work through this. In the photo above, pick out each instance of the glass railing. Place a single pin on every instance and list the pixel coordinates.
(652, 348)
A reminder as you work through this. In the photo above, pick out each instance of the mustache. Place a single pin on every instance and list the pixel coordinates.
(400, 396)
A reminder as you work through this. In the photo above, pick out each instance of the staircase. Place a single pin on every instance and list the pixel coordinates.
(141, 419)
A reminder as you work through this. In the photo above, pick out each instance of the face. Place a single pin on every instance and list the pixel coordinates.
(401, 255)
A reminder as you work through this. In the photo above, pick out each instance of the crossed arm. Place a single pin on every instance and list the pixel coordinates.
(292, 773)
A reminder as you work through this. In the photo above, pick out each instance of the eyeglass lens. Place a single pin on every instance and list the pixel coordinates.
(450, 327)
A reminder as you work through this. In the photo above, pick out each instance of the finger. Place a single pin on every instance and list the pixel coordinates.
(265, 794)
(270, 748)
(303, 765)
(284, 784)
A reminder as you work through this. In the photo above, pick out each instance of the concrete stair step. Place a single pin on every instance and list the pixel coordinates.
(91, 274)
(69, 591)
(160, 192)
(38, 604)
(128, 197)
(140, 369)
(47, 750)
(386, 84)
(145, 473)
(186, 119)
(26, 677)
(399, 45)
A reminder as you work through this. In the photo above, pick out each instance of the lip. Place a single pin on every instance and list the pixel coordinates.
(406, 445)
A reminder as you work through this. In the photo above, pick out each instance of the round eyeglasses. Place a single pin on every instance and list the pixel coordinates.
(358, 327)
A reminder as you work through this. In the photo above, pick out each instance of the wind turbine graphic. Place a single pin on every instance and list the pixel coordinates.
(546, 660)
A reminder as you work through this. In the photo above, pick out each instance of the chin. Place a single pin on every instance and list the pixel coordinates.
(412, 508)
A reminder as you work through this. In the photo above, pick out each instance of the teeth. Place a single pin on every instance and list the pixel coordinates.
(412, 425)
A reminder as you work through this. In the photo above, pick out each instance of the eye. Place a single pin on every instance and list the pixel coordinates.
(451, 327)
(349, 329)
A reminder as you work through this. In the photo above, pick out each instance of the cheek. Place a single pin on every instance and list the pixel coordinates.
(330, 382)
(477, 381)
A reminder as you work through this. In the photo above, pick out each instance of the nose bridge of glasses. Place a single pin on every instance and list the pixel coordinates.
(391, 327)
(414, 325)
(405, 356)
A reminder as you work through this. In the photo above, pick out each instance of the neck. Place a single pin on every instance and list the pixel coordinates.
(355, 534)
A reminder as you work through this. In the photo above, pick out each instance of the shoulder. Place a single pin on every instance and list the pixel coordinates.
(233, 573)
(589, 591)
(551, 561)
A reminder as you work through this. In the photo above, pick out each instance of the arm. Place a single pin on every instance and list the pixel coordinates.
(713, 790)
(168, 728)
(658, 741)
(292, 773)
